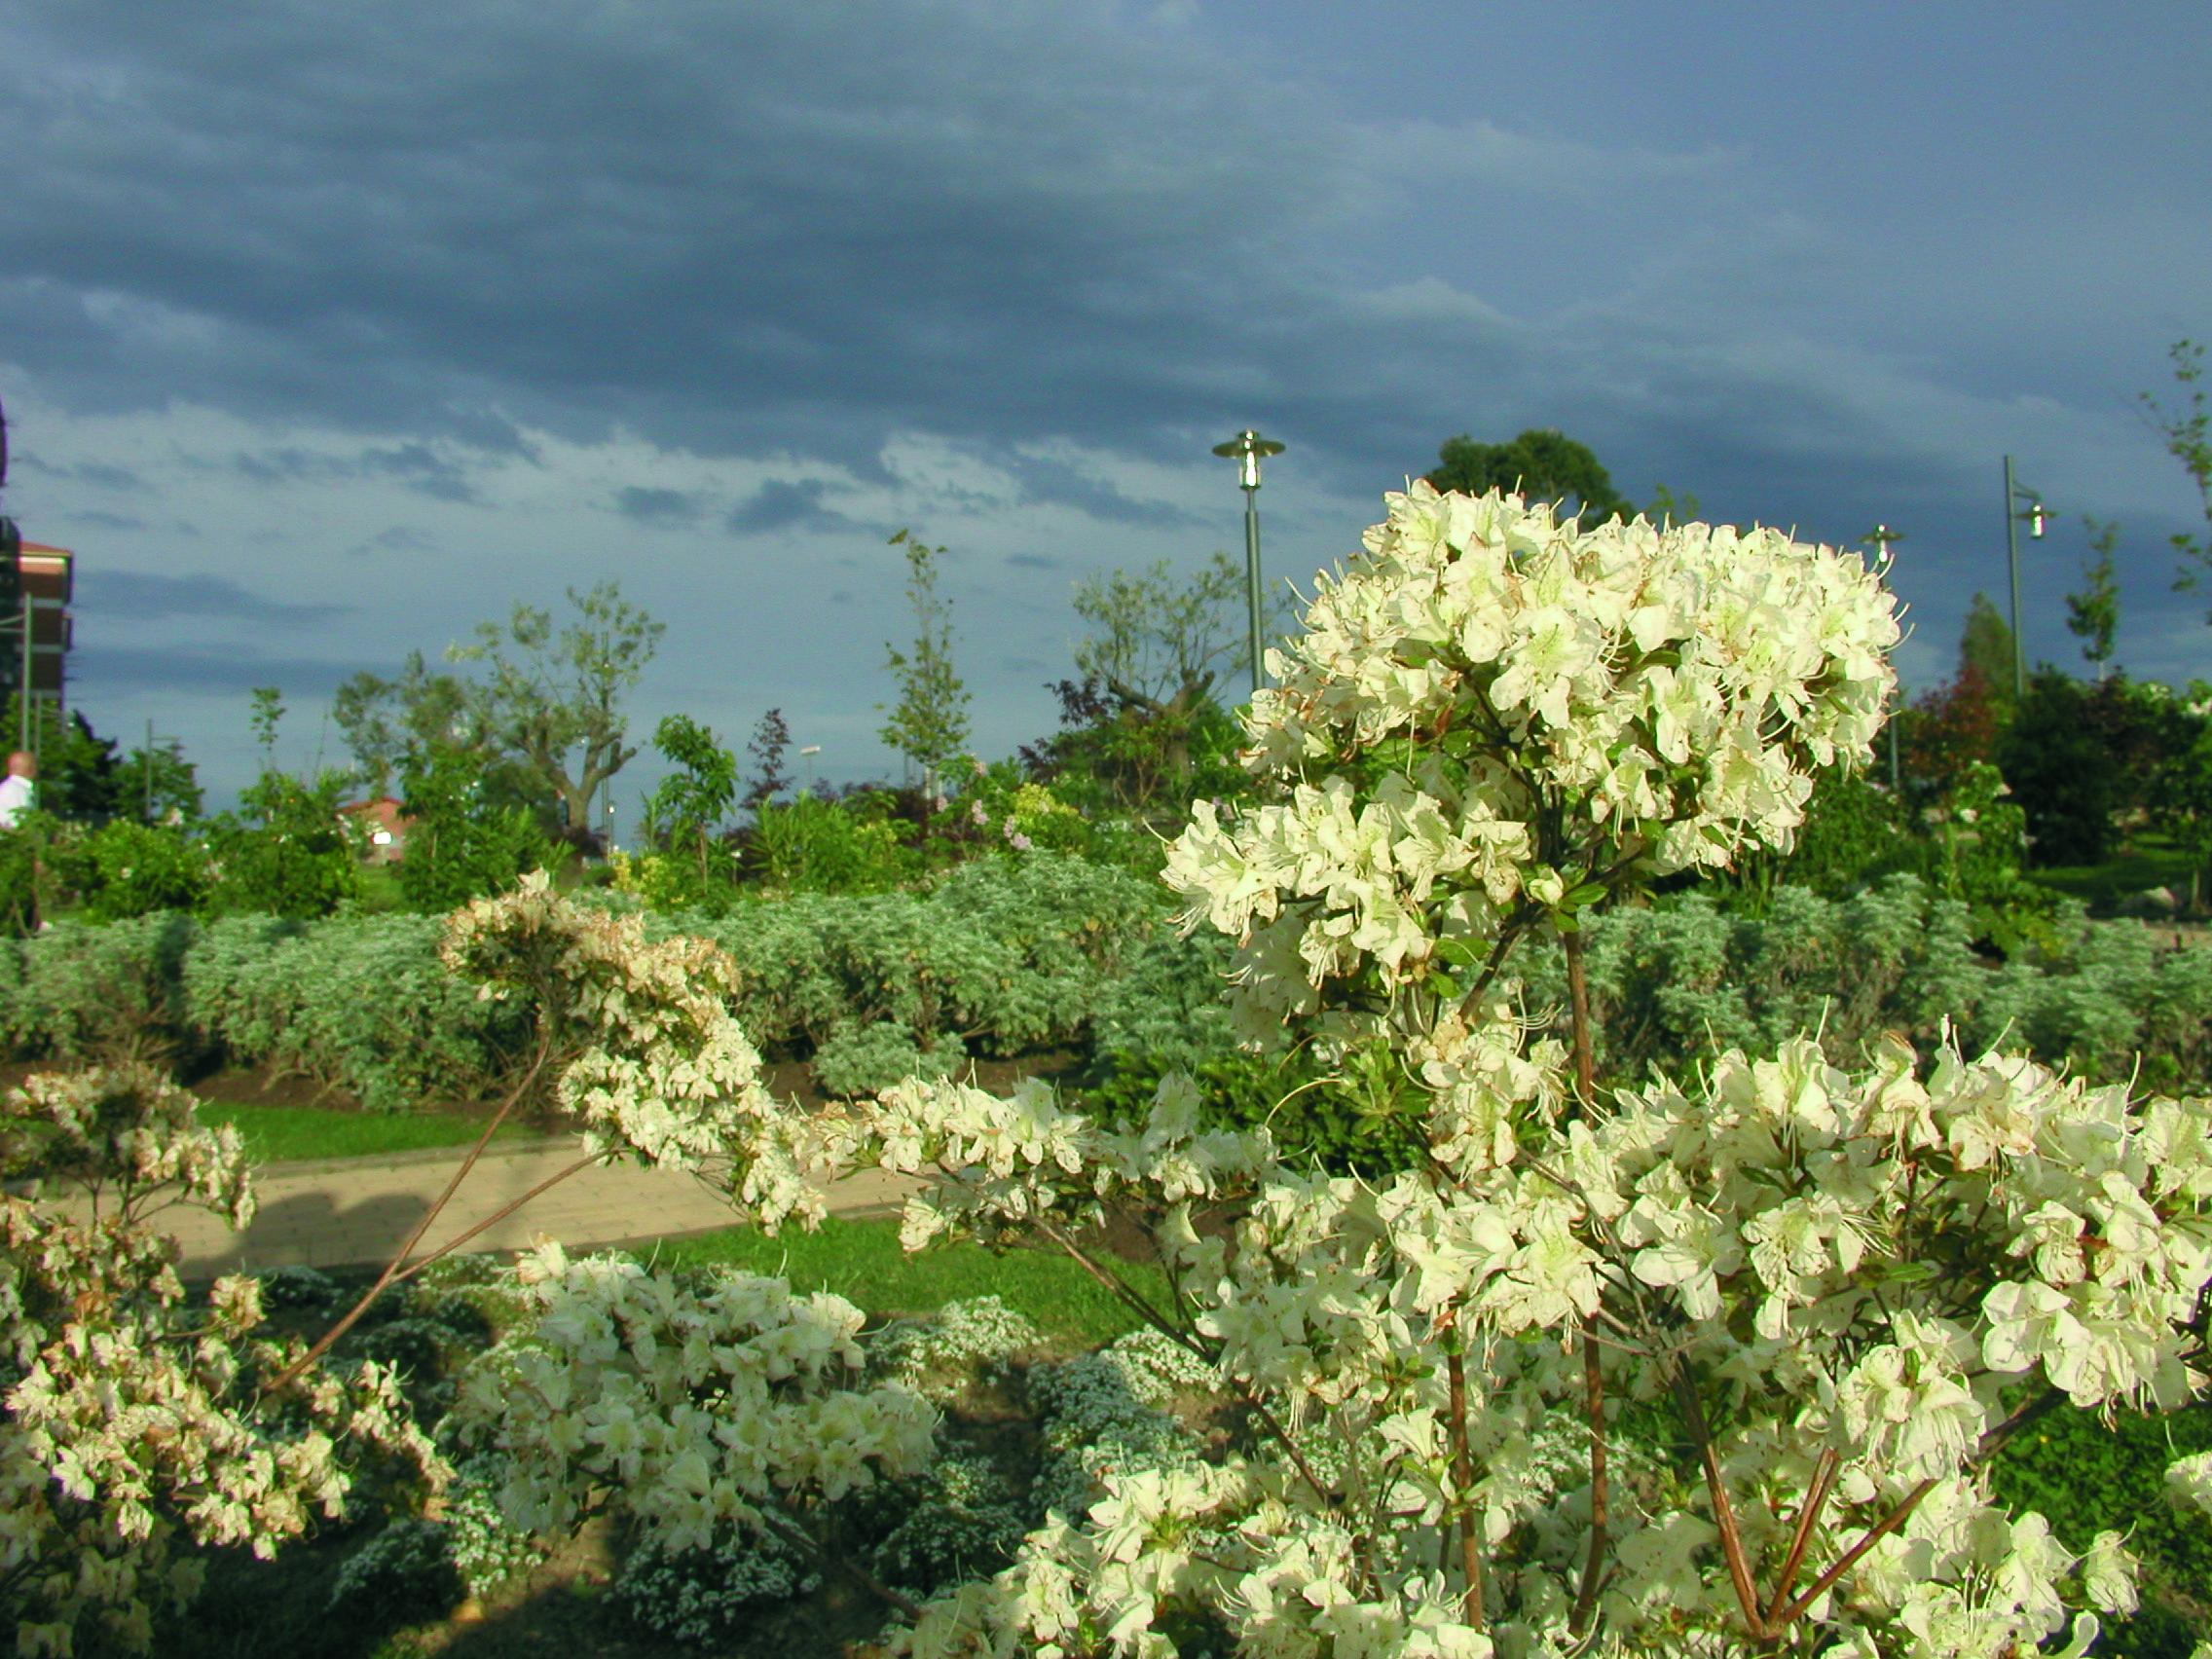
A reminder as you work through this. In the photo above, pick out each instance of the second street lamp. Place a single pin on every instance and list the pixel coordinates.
(2036, 515)
(1248, 449)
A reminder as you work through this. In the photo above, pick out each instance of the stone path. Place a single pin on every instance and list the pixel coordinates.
(346, 1212)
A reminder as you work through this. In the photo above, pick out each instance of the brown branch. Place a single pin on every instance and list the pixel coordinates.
(1875, 1534)
(1717, 1489)
(322, 1343)
(495, 1218)
(1515, 925)
(1464, 1476)
(1594, 1386)
(1824, 1479)
(1578, 993)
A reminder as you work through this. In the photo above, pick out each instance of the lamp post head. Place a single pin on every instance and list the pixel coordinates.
(1246, 450)
(1883, 537)
(2037, 516)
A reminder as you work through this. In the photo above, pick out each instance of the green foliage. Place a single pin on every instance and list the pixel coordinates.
(1541, 463)
(2087, 1473)
(928, 722)
(1987, 648)
(359, 1003)
(2092, 615)
(1008, 955)
(124, 869)
(856, 1062)
(2060, 771)
(97, 993)
(553, 699)
(288, 855)
(812, 845)
(78, 774)
(683, 812)
(459, 846)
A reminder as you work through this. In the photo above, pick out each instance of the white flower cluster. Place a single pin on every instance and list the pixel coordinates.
(133, 1421)
(1852, 1268)
(1496, 709)
(652, 1060)
(694, 1411)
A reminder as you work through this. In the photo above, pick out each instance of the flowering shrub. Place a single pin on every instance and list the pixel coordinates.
(1792, 1311)
(692, 1411)
(134, 1423)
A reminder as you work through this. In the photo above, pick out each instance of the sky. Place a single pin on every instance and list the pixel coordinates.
(329, 332)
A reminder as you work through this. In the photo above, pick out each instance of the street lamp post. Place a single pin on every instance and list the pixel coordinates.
(1248, 449)
(807, 755)
(2036, 515)
(1883, 538)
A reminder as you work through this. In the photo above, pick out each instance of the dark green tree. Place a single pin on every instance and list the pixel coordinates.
(2060, 770)
(770, 741)
(2092, 614)
(461, 846)
(1541, 463)
(1985, 646)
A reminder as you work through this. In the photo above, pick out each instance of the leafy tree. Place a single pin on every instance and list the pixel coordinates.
(1144, 720)
(1948, 730)
(929, 724)
(1541, 463)
(394, 726)
(690, 801)
(1668, 507)
(159, 785)
(381, 720)
(770, 741)
(2092, 615)
(2060, 771)
(553, 699)
(2187, 432)
(459, 846)
(1985, 646)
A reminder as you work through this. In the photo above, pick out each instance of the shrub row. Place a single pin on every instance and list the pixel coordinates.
(1002, 957)
(1008, 956)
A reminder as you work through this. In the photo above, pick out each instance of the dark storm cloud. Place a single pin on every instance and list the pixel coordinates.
(414, 463)
(787, 229)
(142, 596)
(781, 506)
(95, 474)
(643, 504)
(109, 670)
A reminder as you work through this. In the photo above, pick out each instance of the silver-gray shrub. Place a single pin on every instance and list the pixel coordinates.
(358, 1003)
(84, 991)
(1007, 954)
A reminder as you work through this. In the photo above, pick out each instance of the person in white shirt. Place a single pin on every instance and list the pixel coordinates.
(17, 792)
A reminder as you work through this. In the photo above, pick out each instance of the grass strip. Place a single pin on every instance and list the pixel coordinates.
(862, 1262)
(280, 1134)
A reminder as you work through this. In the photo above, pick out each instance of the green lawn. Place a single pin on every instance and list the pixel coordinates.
(862, 1262)
(276, 1134)
(2152, 861)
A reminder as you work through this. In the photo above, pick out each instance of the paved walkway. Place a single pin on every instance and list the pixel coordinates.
(345, 1212)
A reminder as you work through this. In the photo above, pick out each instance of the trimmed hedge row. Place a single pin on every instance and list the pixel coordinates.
(1005, 957)
(1001, 957)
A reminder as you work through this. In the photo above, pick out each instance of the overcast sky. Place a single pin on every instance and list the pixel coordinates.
(327, 331)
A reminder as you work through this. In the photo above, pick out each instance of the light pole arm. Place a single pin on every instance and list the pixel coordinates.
(1252, 574)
